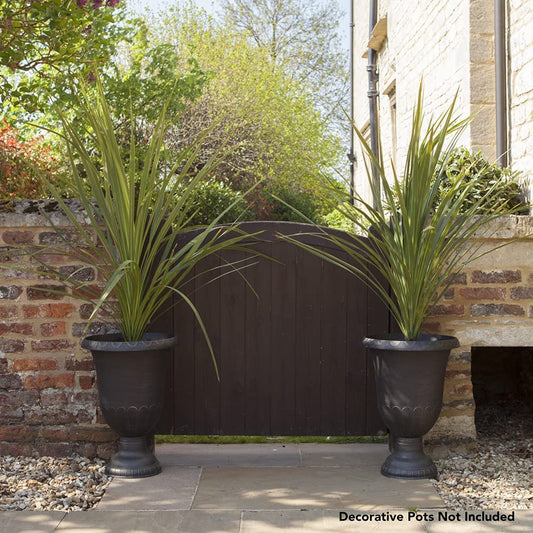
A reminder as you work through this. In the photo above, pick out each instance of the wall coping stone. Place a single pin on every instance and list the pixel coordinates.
(508, 227)
(39, 213)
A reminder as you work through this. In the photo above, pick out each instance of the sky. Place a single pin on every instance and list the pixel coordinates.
(212, 6)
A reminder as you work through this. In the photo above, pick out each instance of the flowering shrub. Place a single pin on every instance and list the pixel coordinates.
(23, 165)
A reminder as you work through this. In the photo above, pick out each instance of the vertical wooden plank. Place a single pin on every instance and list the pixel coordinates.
(232, 348)
(184, 372)
(291, 363)
(332, 350)
(258, 346)
(378, 323)
(284, 312)
(307, 355)
(356, 367)
(207, 390)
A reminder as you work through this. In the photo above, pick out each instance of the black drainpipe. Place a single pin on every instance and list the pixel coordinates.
(351, 154)
(500, 57)
(372, 91)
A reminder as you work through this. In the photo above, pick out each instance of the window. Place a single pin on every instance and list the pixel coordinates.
(391, 93)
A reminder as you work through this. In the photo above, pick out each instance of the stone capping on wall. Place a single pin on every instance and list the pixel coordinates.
(39, 213)
(509, 227)
(48, 397)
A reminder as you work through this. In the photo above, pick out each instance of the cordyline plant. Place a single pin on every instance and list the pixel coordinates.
(420, 234)
(137, 210)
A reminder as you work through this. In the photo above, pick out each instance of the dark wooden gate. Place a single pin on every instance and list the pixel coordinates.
(290, 360)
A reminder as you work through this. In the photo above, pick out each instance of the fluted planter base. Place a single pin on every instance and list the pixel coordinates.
(408, 460)
(133, 459)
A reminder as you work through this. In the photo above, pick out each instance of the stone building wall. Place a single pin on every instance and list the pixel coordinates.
(482, 78)
(521, 88)
(48, 398)
(425, 40)
(450, 45)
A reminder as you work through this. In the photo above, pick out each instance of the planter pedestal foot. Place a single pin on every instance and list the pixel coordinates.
(133, 459)
(408, 460)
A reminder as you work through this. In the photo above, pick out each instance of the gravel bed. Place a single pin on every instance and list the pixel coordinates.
(51, 483)
(498, 476)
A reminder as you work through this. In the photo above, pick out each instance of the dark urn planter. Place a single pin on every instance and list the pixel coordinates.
(132, 378)
(409, 387)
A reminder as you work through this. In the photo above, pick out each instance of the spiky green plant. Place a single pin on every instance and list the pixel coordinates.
(421, 234)
(136, 217)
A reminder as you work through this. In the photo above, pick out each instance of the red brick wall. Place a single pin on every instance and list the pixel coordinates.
(48, 399)
(476, 294)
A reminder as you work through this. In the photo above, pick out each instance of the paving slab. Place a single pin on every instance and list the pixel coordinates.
(343, 455)
(30, 521)
(310, 488)
(172, 490)
(211, 522)
(228, 454)
(122, 522)
(265, 488)
(261, 521)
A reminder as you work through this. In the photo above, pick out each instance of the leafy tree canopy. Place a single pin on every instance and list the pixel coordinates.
(225, 90)
(43, 43)
(302, 36)
(146, 73)
(263, 115)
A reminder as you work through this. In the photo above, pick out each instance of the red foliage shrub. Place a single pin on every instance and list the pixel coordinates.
(23, 165)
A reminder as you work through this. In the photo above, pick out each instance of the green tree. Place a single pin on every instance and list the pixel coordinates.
(145, 74)
(137, 77)
(265, 117)
(302, 37)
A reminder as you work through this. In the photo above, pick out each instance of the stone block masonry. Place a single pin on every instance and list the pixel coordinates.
(489, 304)
(451, 46)
(48, 398)
(521, 89)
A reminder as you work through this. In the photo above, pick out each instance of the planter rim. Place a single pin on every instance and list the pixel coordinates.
(425, 343)
(114, 342)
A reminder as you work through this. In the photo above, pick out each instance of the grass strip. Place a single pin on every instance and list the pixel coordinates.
(244, 439)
